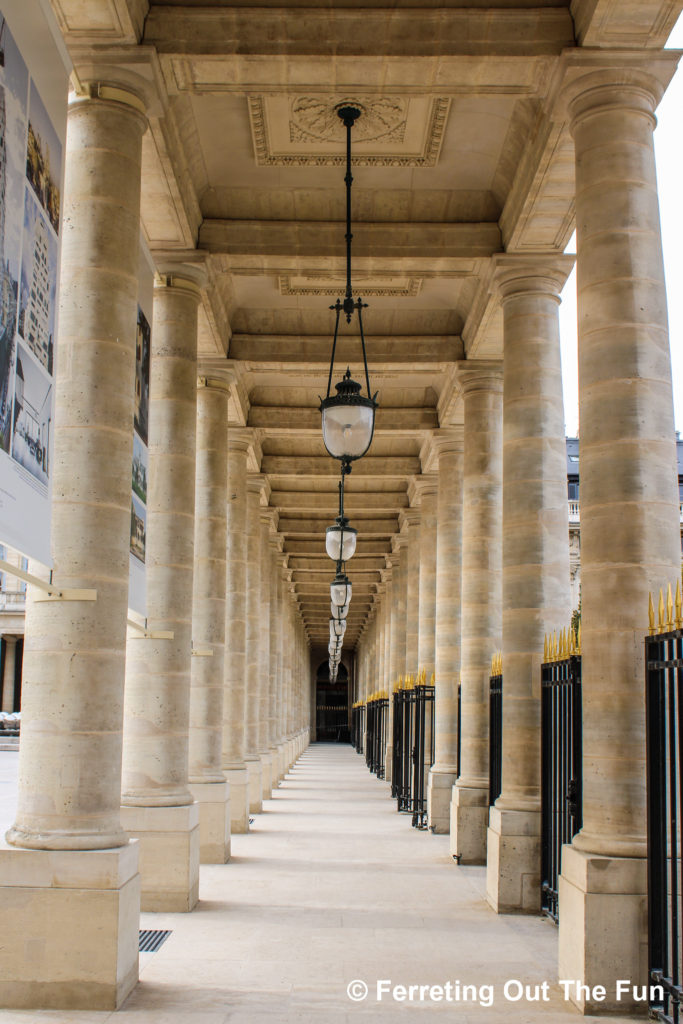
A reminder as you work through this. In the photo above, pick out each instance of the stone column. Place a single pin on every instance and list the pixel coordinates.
(398, 643)
(253, 646)
(72, 717)
(265, 756)
(235, 668)
(157, 805)
(427, 486)
(630, 539)
(536, 596)
(411, 517)
(481, 383)
(282, 672)
(208, 784)
(8, 672)
(449, 446)
(275, 544)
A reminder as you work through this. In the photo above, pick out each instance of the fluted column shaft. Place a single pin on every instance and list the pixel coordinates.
(481, 383)
(264, 661)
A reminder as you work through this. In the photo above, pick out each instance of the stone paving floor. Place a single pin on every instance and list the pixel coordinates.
(332, 887)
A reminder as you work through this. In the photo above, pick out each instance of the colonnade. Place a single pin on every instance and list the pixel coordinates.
(502, 545)
(142, 747)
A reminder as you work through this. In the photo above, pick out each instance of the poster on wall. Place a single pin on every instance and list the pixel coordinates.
(138, 501)
(31, 152)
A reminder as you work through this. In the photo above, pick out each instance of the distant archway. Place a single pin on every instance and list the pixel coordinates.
(332, 705)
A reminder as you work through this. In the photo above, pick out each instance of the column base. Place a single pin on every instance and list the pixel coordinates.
(603, 929)
(439, 789)
(214, 821)
(70, 931)
(238, 781)
(169, 855)
(255, 787)
(513, 865)
(469, 821)
(266, 775)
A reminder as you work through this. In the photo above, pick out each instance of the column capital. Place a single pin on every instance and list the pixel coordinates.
(270, 516)
(448, 440)
(214, 383)
(516, 274)
(596, 81)
(246, 439)
(107, 83)
(478, 375)
(189, 278)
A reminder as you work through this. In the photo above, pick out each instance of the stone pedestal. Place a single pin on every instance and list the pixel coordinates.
(255, 786)
(238, 781)
(469, 823)
(513, 863)
(169, 855)
(266, 776)
(70, 927)
(213, 800)
(603, 937)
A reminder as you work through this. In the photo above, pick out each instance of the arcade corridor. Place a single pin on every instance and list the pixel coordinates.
(331, 886)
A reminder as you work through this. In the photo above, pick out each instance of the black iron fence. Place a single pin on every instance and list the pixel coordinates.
(358, 726)
(495, 728)
(413, 744)
(664, 709)
(376, 711)
(561, 759)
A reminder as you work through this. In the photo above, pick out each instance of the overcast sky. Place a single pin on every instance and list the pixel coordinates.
(669, 154)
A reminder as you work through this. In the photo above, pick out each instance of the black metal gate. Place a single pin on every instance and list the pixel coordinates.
(423, 752)
(377, 708)
(561, 761)
(404, 722)
(495, 729)
(664, 704)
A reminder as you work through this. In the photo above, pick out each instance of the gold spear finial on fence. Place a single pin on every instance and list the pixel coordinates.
(678, 619)
(432, 680)
(669, 609)
(660, 611)
(545, 648)
(651, 615)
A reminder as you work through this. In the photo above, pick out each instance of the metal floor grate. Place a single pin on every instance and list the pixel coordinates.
(151, 940)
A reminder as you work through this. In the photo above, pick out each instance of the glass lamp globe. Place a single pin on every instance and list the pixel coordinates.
(337, 627)
(348, 420)
(340, 590)
(339, 611)
(340, 540)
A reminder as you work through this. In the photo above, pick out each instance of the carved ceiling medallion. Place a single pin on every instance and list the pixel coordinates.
(394, 131)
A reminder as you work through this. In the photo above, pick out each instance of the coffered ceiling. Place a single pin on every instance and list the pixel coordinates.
(462, 153)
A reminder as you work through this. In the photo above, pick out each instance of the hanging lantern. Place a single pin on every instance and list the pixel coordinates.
(339, 611)
(340, 590)
(348, 418)
(340, 540)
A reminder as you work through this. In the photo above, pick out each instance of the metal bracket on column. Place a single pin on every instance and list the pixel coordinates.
(51, 592)
(202, 652)
(149, 634)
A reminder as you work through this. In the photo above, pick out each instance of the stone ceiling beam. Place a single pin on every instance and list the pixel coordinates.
(273, 351)
(313, 526)
(303, 466)
(385, 32)
(292, 419)
(323, 239)
(303, 501)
